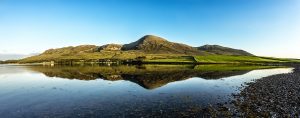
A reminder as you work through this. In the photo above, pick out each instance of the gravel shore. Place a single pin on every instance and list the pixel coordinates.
(272, 96)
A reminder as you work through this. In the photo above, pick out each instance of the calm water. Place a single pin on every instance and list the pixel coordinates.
(120, 91)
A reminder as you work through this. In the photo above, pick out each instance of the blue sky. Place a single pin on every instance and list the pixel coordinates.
(262, 27)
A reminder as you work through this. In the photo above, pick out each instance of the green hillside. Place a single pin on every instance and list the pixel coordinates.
(220, 50)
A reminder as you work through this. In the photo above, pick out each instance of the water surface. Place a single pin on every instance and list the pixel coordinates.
(121, 91)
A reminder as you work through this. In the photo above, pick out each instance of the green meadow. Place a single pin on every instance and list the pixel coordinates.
(226, 59)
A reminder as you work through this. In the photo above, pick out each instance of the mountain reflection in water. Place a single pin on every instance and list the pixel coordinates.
(147, 76)
(121, 91)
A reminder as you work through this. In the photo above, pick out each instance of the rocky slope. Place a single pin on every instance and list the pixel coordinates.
(110, 47)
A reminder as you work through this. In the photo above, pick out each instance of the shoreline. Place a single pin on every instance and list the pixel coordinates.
(272, 96)
(164, 63)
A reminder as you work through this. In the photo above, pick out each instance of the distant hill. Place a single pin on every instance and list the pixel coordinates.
(72, 50)
(4, 57)
(148, 47)
(220, 50)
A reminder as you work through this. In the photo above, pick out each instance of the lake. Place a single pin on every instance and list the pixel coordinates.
(122, 91)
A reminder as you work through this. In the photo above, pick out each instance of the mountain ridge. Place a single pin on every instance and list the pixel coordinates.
(153, 44)
(148, 47)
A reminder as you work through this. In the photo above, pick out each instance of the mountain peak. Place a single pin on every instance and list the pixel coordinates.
(151, 39)
(145, 40)
(155, 44)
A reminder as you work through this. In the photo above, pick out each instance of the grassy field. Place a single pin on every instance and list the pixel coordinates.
(182, 59)
(118, 55)
(83, 56)
(217, 59)
(230, 67)
(283, 59)
(239, 59)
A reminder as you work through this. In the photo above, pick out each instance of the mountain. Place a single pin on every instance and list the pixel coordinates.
(154, 44)
(150, 48)
(220, 50)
